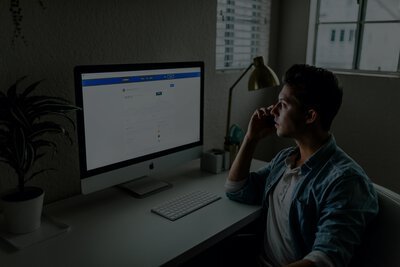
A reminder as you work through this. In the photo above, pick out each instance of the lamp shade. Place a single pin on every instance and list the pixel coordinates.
(262, 76)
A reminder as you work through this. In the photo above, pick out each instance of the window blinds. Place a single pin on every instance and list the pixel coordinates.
(242, 32)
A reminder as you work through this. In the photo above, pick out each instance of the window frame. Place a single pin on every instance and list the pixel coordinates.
(358, 36)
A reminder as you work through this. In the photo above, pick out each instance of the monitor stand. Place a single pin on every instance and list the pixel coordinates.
(144, 186)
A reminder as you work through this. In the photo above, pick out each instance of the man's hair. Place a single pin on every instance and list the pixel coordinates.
(316, 88)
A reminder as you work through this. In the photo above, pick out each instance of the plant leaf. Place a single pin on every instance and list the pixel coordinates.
(19, 116)
(62, 116)
(19, 145)
(40, 128)
(39, 156)
(45, 98)
(24, 125)
(6, 123)
(48, 127)
(29, 159)
(48, 109)
(29, 89)
(12, 91)
(37, 101)
(5, 160)
(44, 143)
(10, 162)
(41, 143)
(37, 173)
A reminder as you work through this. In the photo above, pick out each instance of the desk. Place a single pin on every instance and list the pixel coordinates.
(111, 228)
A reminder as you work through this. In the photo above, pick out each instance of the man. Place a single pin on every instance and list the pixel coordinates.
(316, 199)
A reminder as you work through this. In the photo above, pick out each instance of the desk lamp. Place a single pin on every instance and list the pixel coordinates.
(261, 77)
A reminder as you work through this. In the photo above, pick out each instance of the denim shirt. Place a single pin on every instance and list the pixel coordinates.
(331, 205)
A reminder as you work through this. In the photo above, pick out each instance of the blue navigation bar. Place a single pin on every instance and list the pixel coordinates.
(135, 79)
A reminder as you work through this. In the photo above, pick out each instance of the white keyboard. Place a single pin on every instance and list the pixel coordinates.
(185, 204)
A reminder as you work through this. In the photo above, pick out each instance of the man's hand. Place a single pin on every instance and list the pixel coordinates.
(258, 128)
(260, 124)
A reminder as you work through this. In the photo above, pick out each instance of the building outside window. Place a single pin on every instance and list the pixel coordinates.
(367, 35)
(242, 32)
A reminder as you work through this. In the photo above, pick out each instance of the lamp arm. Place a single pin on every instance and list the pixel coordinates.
(230, 99)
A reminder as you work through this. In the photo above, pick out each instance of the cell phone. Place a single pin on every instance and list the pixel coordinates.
(270, 120)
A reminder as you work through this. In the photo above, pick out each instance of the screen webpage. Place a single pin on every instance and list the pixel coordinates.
(131, 114)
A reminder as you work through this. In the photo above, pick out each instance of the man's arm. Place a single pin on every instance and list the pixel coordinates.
(241, 165)
(257, 129)
(349, 207)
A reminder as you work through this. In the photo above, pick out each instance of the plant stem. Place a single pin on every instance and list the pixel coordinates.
(21, 181)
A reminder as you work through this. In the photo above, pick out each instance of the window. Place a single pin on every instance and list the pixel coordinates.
(242, 32)
(333, 35)
(367, 35)
(342, 35)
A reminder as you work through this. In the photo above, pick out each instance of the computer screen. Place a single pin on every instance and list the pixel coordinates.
(137, 119)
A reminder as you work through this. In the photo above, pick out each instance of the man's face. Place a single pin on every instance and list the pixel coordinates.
(290, 119)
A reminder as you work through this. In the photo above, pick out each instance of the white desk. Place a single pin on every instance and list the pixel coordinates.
(111, 228)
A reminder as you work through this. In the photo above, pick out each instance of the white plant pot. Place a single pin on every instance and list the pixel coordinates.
(22, 212)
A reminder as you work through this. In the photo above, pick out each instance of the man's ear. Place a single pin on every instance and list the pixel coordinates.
(311, 116)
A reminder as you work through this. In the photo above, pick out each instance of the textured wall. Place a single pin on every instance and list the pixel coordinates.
(71, 32)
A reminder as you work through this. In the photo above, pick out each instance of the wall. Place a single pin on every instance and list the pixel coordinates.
(368, 128)
(367, 125)
(70, 32)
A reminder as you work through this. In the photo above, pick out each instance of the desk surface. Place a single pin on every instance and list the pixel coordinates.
(111, 228)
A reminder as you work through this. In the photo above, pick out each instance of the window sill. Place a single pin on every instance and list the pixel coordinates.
(395, 75)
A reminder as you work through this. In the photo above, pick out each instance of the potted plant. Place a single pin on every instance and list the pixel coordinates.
(26, 123)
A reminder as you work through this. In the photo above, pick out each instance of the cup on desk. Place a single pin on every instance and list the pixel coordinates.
(215, 161)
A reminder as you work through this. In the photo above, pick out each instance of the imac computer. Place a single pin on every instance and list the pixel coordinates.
(137, 120)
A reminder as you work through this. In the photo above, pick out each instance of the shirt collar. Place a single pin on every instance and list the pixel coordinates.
(290, 162)
(323, 153)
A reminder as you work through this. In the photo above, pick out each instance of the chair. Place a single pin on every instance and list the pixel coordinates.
(382, 246)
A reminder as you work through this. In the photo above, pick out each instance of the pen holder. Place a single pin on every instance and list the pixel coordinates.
(215, 161)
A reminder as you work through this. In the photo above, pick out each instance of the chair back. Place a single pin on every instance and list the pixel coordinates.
(382, 245)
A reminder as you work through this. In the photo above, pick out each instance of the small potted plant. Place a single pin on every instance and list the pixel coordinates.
(26, 122)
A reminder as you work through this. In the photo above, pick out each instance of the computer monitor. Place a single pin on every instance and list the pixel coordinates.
(137, 120)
